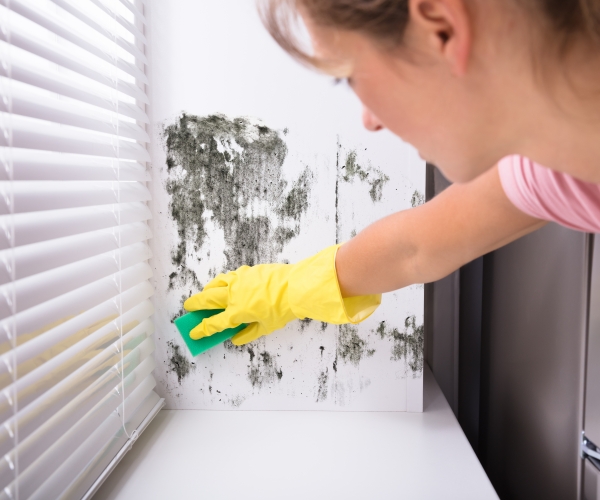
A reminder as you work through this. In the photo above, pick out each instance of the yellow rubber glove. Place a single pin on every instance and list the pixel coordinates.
(268, 296)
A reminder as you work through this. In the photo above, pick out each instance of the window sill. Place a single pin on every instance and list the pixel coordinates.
(191, 454)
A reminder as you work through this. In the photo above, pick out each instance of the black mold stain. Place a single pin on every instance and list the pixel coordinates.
(322, 386)
(408, 344)
(295, 203)
(230, 168)
(304, 323)
(323, 326)
(350, 347)
(417, 199)
(237, 401)
(262, 368)
(181, 311)
(178, 363)
(371, 175)
(240, 349)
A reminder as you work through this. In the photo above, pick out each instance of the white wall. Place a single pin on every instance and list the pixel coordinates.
(215, 57)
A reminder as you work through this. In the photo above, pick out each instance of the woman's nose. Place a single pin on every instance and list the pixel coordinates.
(370, 121)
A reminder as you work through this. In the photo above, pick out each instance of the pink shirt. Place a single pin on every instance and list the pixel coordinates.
(550, 195)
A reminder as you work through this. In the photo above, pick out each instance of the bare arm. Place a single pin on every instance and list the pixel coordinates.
(429, 242)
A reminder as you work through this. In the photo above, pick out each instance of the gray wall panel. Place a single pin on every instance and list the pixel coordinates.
(592, 405)
(535, 298)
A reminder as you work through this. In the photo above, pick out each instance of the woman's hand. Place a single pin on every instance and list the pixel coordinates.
(268, 296)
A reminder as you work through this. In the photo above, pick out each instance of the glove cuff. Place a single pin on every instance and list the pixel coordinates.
(314, 292)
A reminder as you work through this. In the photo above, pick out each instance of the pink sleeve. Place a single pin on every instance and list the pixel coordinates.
(550, 195)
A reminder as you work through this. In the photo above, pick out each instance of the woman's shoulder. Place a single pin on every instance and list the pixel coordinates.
(550, 195)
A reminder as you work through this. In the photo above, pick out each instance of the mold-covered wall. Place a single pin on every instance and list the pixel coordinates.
(255, 160)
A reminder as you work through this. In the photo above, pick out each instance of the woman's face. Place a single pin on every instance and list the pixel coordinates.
(433, 93)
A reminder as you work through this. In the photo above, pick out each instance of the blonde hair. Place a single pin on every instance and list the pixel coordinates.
(385, 21)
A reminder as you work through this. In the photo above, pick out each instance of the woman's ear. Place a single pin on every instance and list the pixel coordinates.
(445, 28)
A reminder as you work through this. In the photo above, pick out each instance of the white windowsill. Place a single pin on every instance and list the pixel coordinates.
(195, 454)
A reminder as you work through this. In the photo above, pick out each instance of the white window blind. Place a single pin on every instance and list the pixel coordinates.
(76, 345)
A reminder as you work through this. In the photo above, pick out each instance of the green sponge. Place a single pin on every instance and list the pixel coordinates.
(188, 321)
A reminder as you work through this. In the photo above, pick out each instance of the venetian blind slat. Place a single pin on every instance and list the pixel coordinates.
(28, 228)
(41, 369)
(29, 133)
(51, 401)
(134, 10)
(76, 301)
(25, 69)
(41, 196)
(53, 53)
(52, 108)
(49, 21)
(34, 290)
(35, 165)
(36, 468)
(96, 452)
(130, 27)
(129, 46)
(40, 257)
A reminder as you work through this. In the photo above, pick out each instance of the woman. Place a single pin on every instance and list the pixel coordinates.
(487, 90)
